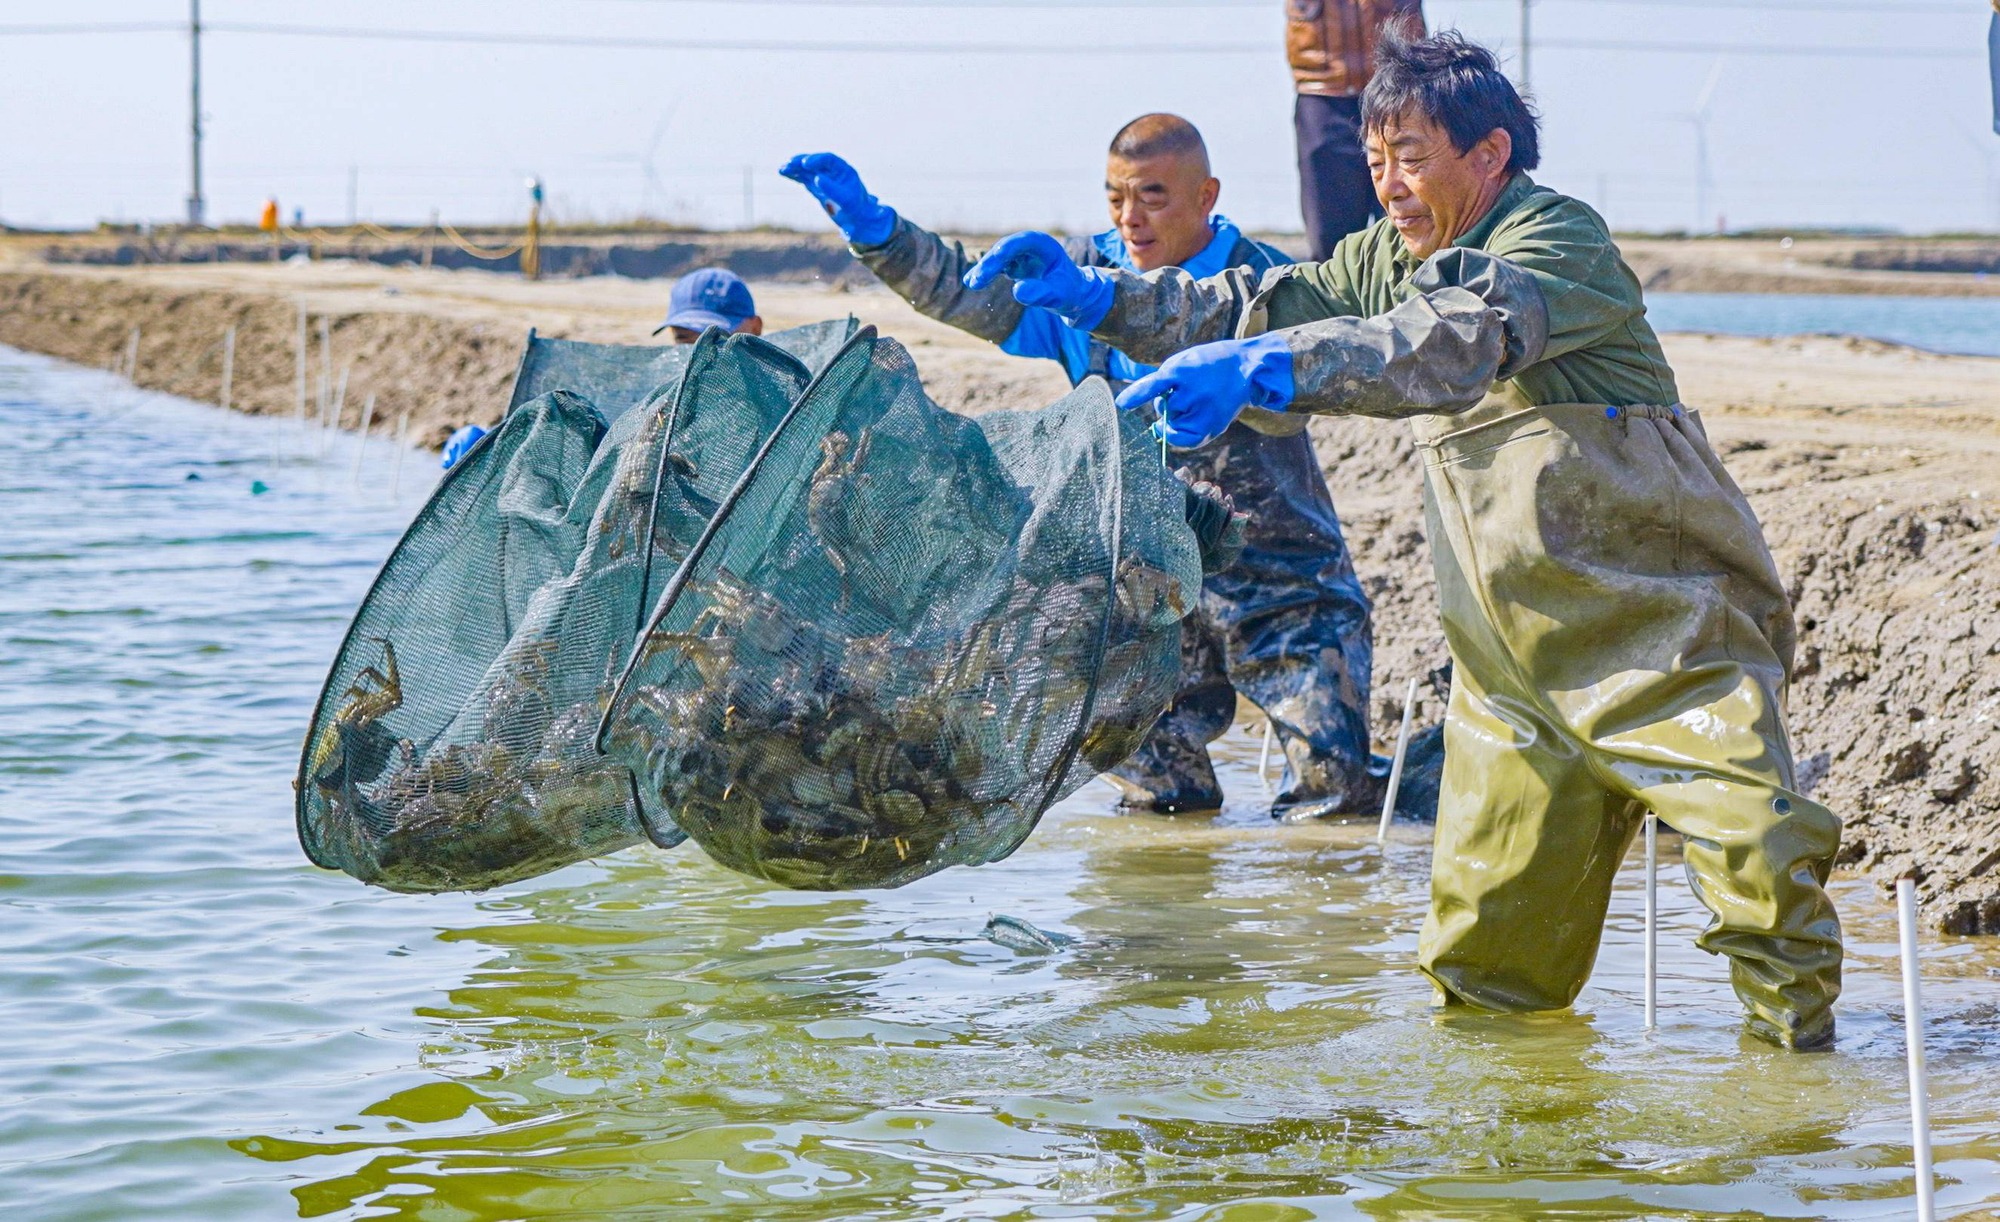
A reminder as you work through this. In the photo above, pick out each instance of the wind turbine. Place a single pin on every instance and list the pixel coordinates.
(1702, 180)
(650, 188)
(653, 189)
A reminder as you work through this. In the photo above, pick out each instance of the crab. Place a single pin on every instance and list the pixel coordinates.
(355, 747)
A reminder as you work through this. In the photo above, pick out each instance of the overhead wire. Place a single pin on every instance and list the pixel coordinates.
(905, 47)
(975, 48)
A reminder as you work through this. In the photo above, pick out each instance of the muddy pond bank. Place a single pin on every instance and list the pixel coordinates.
(1875, 469)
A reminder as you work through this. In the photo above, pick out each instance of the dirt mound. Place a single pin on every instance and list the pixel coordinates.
(1896, 697)
(443, 371)
(1895, 575)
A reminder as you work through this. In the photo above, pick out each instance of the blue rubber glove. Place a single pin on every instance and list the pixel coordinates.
(1044, 275)
(860, 216)
(461, 443)
(1202, 390)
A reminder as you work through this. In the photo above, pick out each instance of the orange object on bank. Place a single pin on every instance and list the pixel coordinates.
(268, 221)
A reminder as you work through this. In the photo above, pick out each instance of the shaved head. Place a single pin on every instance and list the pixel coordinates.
(1160, 135)
(1158, 185)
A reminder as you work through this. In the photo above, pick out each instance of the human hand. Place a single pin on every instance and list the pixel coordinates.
(1202, 390)
(863, 219)
(1044, 275)
(461, 443)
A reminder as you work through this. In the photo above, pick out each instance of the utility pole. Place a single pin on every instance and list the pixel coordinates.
(1526, 5)
(197, 207)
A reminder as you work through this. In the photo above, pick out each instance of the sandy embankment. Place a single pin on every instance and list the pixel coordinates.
(1876, 470)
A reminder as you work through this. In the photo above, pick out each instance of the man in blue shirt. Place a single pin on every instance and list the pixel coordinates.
(1288, 625)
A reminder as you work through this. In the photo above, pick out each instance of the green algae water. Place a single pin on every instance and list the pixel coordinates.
(195, 1023)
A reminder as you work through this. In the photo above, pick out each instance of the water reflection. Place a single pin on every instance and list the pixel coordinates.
(1236, 1022)
(195, 1024)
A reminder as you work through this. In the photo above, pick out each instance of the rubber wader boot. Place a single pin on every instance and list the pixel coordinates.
(1622, 644)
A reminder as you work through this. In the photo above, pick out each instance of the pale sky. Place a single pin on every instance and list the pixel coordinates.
(94, 126)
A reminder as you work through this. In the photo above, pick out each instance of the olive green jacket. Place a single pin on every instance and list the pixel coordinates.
(1535, 304)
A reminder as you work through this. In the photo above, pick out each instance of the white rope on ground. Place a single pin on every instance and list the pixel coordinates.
(1913, 1037)
(1396, 767)
(317, 238)
(482, 252)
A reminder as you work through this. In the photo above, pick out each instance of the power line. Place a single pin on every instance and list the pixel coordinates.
(1731, 48)
(617, 42)
(475, 37)
(613, 41)
(96, 27)
(1796, 6)
(1778, 6)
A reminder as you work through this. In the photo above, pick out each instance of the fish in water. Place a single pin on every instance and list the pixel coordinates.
(1016, 934)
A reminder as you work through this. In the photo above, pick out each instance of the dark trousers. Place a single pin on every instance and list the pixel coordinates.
(1334, 189)
(1288, 626)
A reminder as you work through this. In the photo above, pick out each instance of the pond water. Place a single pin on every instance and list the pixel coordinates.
(1965, 325)
(195, 1023)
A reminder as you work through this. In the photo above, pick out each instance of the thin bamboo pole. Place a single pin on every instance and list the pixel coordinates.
(361, 442)
(325, 365)
(335, 408)
(1913, 1037)
(1652, 921)
(228, 364)
(1396, 767)
(402, 444)
(302, 362)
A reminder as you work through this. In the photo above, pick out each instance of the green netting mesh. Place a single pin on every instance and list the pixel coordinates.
(761, 593)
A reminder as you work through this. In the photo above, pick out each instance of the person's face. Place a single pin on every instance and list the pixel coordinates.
(1432, 192)
(753, 325)
(1160, 206)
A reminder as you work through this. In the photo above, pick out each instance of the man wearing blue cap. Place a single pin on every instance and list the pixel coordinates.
(711, 297)
(1288, 625)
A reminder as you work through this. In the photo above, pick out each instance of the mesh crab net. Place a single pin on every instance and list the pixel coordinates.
(765, 594)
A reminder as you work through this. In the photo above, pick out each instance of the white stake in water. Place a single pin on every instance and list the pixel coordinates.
(1913, 1036)
(1264, 756)
(361, 443)
(132, 357)
(336, 405)
(1652, 921)
(1396, 767)
(402, 444)
(228, 364)
(302, 369)
(325, 366)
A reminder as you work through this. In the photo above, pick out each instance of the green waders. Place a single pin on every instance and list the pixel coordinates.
(1622, 644)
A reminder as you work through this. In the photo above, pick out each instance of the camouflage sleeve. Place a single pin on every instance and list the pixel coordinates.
(1158, 314)
(1476, 319)
(926, 272)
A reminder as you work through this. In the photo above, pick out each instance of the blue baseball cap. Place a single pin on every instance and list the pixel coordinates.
(711, 297)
